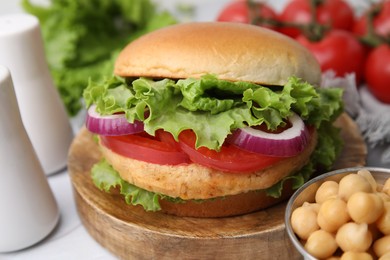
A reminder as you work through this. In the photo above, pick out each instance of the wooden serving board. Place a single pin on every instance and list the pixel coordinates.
(131, 233)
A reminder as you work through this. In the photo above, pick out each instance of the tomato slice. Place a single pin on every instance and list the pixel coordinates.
(163, 149)
(230, 158)
(146, 148)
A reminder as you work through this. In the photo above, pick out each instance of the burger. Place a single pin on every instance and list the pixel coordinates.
(211, 119)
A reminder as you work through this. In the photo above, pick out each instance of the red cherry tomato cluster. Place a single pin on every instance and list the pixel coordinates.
(334, 13)
(377, 38)
(330, 29)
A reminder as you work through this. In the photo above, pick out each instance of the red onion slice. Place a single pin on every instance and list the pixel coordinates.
(116, 124)
(288, 143)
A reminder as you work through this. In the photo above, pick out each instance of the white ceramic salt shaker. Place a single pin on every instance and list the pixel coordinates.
(29, 211)
(43, 113)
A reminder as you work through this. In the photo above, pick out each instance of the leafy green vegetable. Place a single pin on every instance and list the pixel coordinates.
(105, 178)
(194, 104)
(83, 38)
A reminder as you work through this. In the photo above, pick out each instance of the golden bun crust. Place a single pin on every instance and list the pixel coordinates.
(194, 181)
(232, 51)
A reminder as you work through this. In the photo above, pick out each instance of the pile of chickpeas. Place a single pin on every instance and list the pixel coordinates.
(349, 219)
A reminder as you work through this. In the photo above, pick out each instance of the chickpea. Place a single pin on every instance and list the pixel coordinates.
(354, 237)
(356, 256)
(385, 257)
(352, 183)
(321, 244)
(382, 246)
(333, 214)
(304, 222)
(383, 223)
(386, 187)
(313, 206)
(328, 189)
(368, 176)
(365, 207)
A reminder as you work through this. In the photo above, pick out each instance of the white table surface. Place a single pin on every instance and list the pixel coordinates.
(70, 240)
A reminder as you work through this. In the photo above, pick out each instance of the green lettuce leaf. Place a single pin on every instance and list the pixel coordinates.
(212, 108)
(105, 178)
(83, 38)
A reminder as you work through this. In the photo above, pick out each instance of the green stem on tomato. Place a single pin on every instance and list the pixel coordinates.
(371, 38)
(252, 5)
(256, 19)
(255, 14)
(313, 31)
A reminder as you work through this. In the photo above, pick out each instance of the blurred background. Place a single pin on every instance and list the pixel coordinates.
(206, 10)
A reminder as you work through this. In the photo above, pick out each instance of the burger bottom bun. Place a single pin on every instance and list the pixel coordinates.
(227, 206)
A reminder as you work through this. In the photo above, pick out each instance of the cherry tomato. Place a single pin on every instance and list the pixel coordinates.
(339, 51)
(377, 73)
(146, 148)
(336, 13)
(230, 158)
(238, 11)
(381, 21)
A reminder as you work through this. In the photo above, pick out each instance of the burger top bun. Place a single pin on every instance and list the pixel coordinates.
(232, 51)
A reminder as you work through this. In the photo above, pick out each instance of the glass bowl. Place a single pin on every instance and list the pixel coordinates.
(306, 193)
